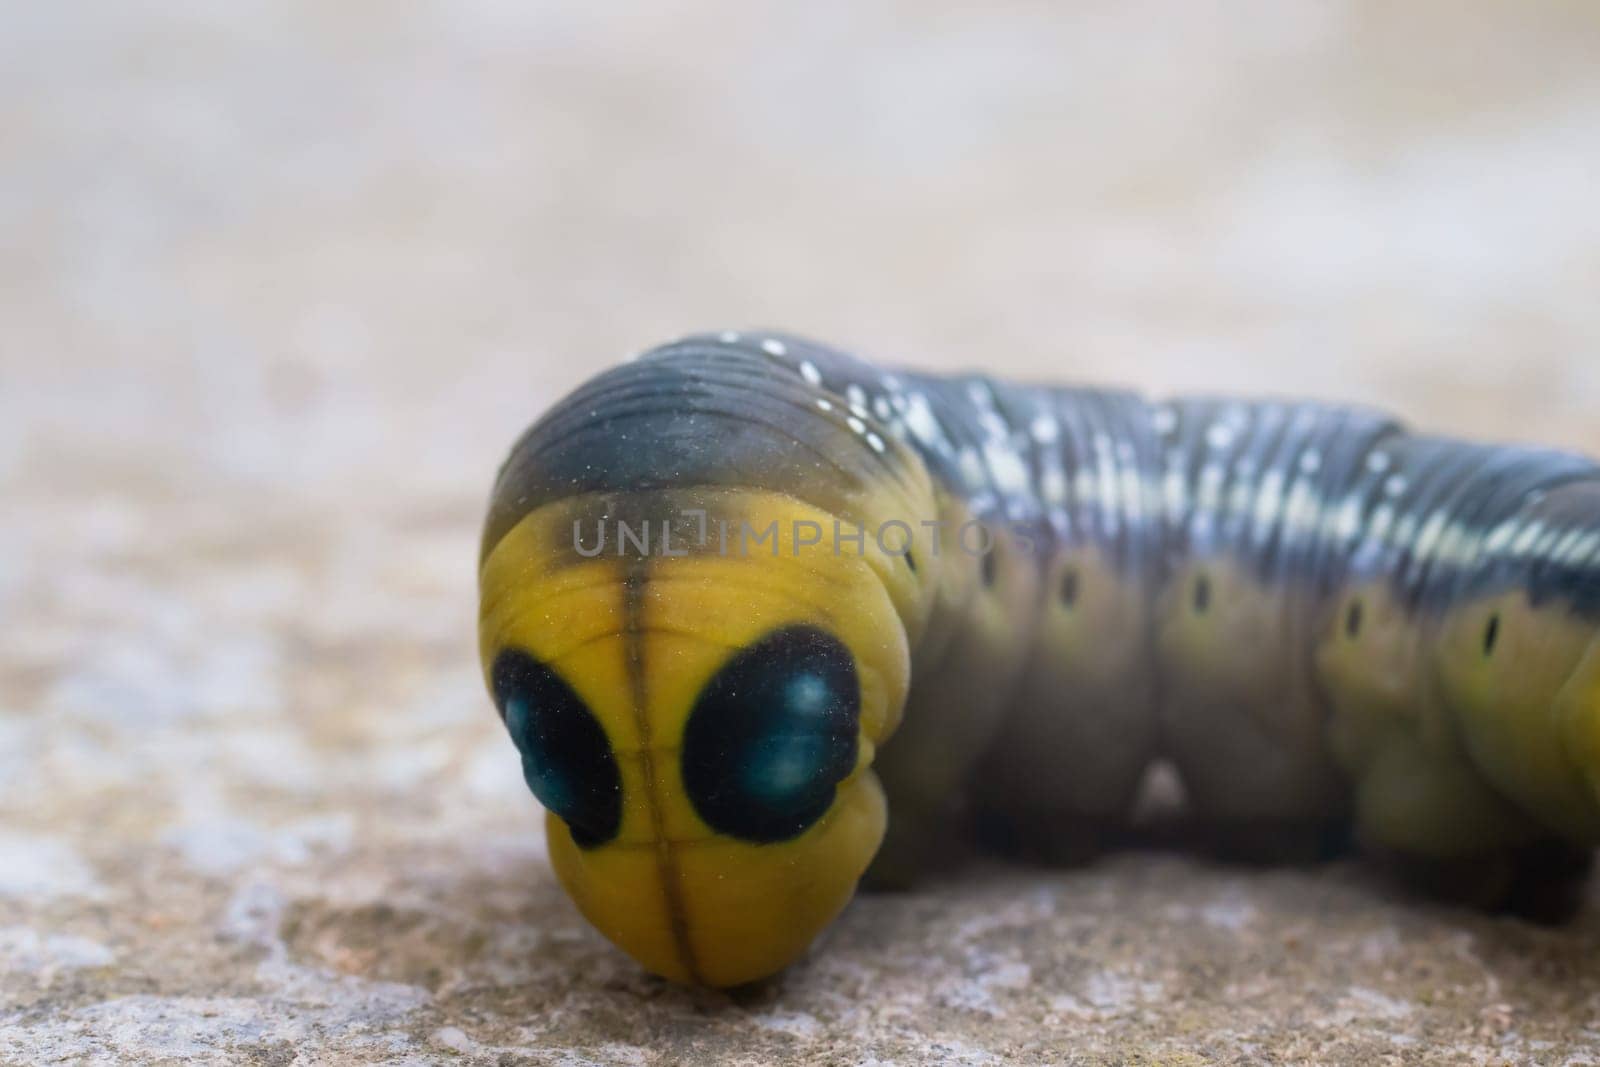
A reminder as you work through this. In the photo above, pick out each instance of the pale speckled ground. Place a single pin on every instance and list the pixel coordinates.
(278, 285)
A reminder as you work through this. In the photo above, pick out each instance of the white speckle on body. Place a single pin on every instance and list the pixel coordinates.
(1009, 472)
(971, 467)
(1529, 536)
(1053, 485)
(919, 417)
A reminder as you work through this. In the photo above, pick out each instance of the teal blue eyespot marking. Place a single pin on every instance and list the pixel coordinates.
(772, 735)
(566, 758)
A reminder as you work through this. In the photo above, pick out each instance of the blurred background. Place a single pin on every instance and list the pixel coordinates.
(280, 282)
(346, 239)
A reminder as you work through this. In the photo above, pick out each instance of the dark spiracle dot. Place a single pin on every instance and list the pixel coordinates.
(772, 735)
(1202, 594)
(1069, 587)
(1491, 634)
(566, 758)
(1352, 619)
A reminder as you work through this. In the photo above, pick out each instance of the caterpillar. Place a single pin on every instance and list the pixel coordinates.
(757, 614)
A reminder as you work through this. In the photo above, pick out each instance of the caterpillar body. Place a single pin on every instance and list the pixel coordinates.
(755, 611)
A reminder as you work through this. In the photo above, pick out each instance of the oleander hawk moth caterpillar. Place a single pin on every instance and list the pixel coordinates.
(755, 611)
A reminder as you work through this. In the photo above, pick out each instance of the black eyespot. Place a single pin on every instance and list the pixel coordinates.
(911, 561)
(1491, 634)
(1202, 594)
(989, 567)
(772, 735)
(566, 759)
(1352, 619)
(1069, 588)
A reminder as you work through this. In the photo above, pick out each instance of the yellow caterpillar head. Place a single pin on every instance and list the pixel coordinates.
(699, 719)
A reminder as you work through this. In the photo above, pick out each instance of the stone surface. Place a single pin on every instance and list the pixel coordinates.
(279, 283)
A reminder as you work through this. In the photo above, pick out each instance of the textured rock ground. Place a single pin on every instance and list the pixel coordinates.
(279, 283)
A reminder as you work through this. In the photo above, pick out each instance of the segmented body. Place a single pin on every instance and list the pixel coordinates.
(1316, 615)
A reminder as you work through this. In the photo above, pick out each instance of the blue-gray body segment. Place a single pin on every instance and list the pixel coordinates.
(691, 414)
(1295, 492)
